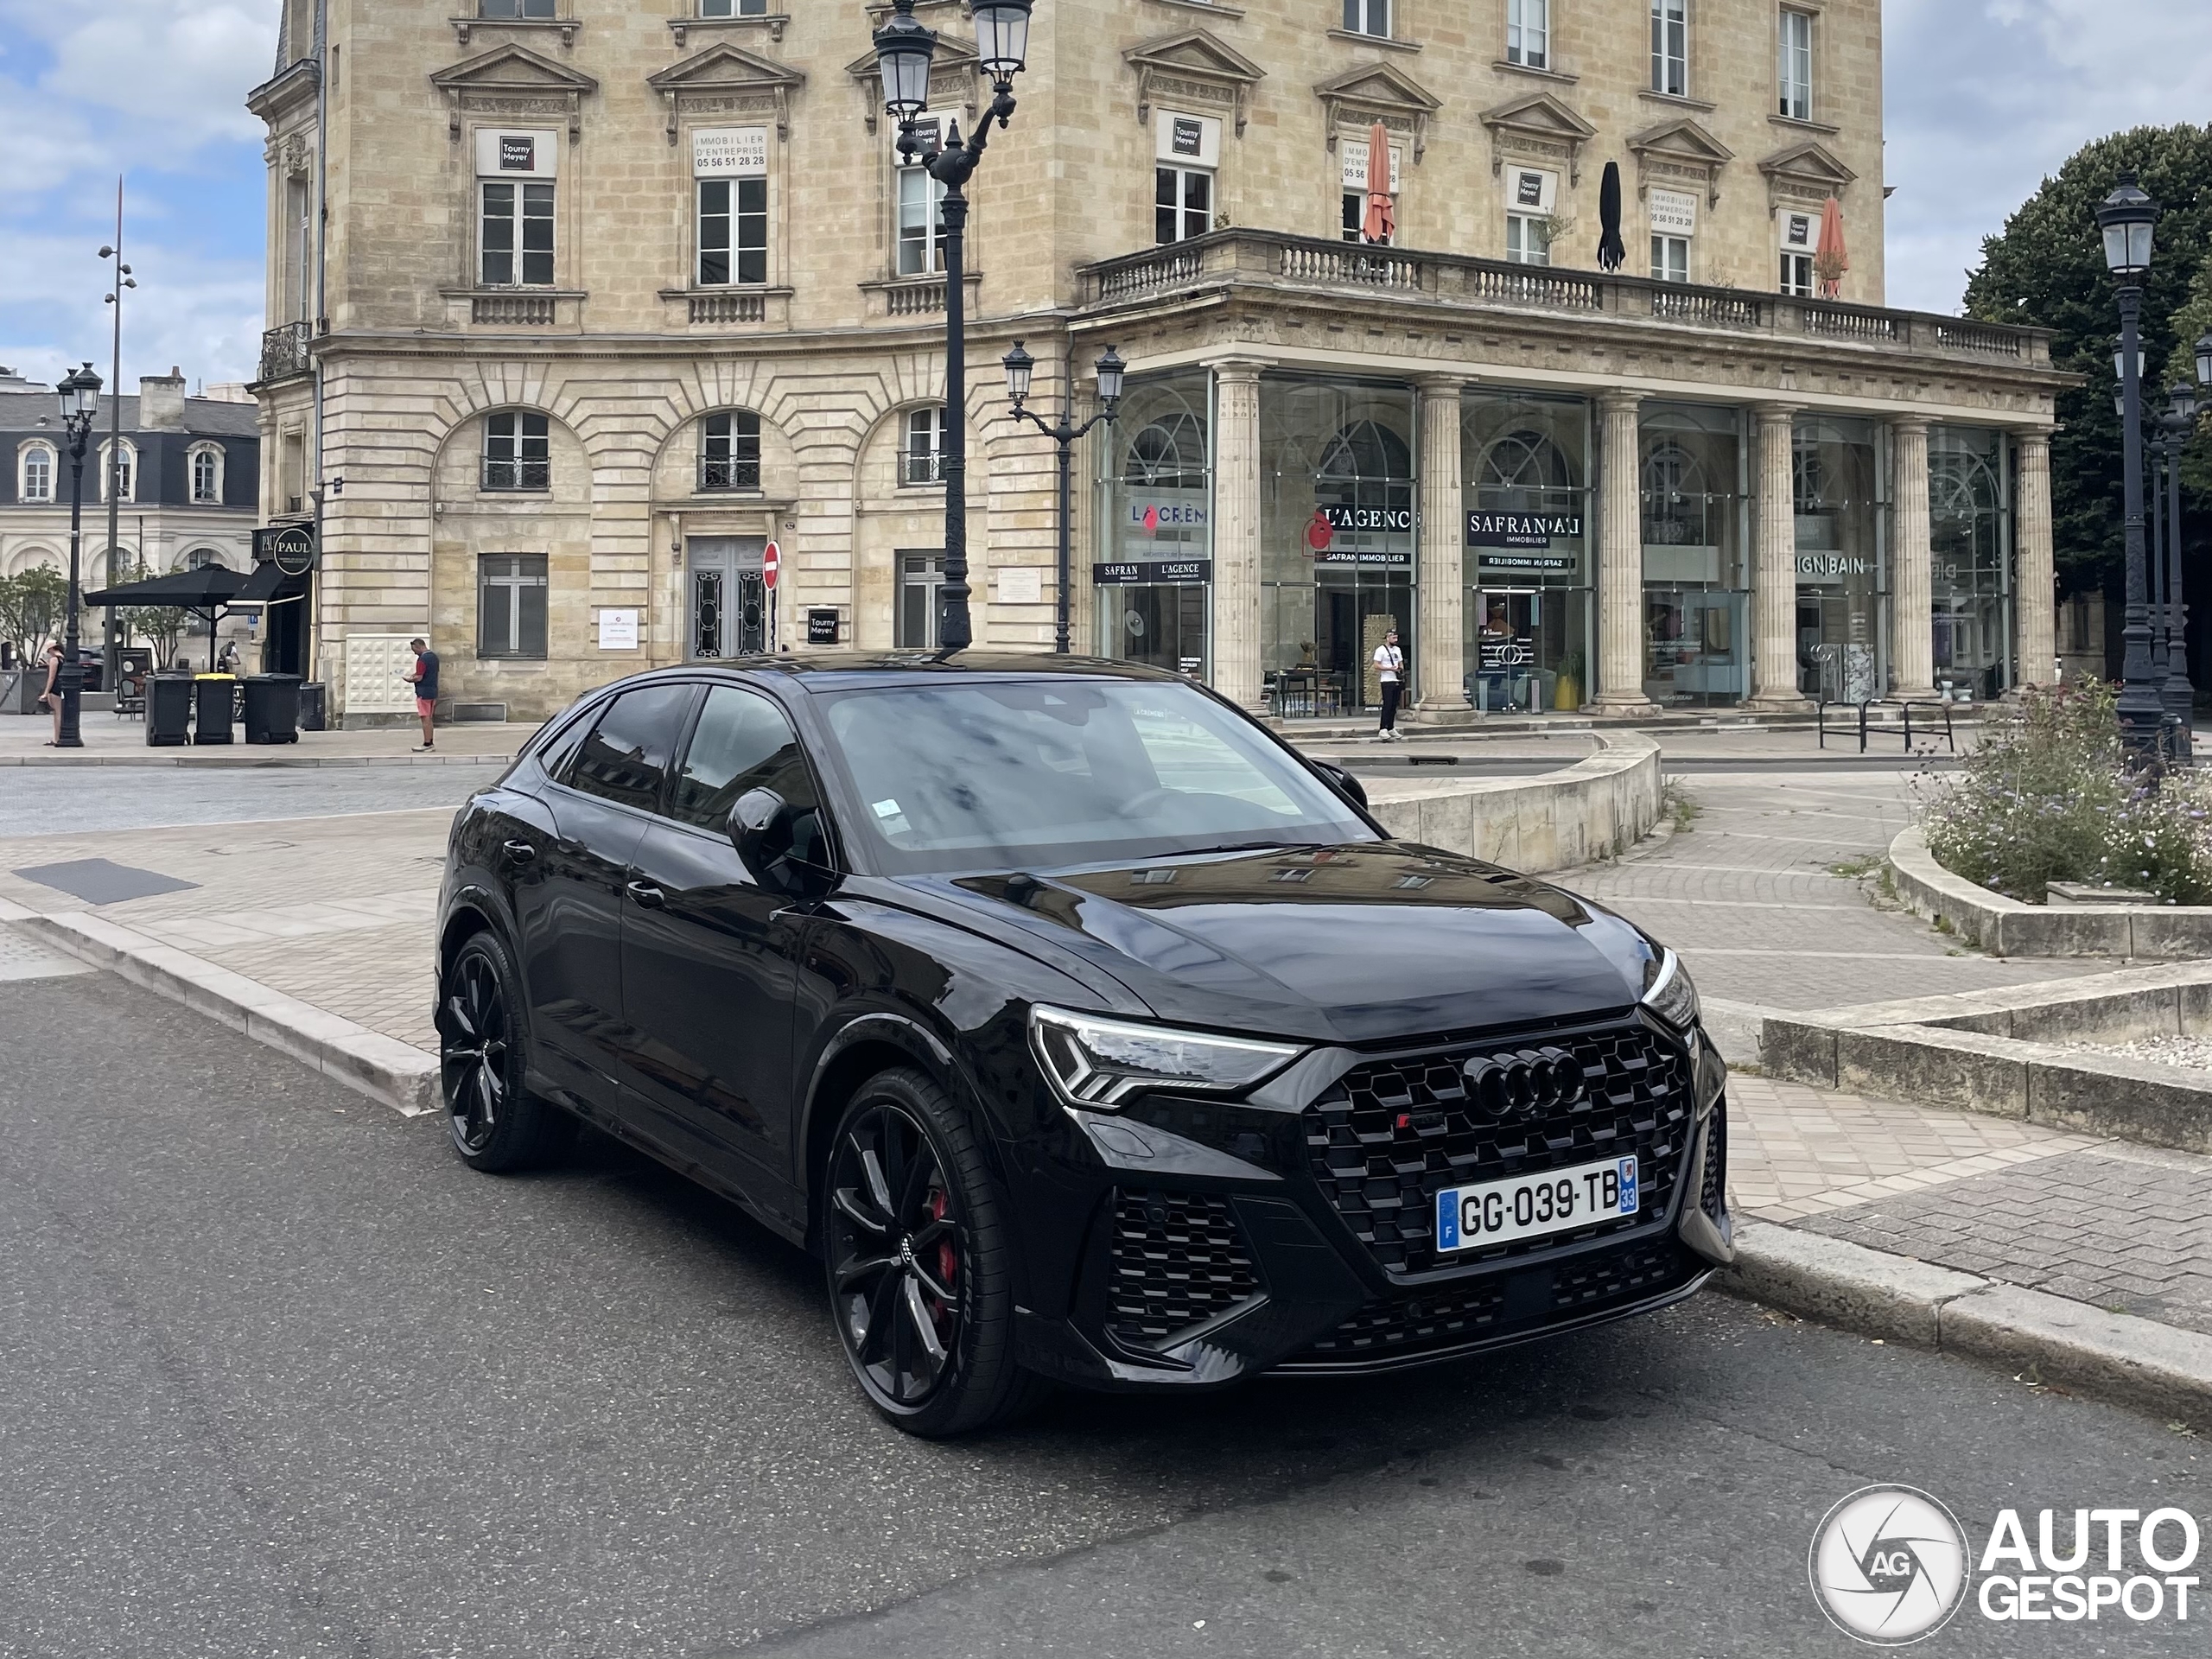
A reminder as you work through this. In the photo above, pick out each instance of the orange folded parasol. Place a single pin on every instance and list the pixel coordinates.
(1829, 259)
(1381, 222)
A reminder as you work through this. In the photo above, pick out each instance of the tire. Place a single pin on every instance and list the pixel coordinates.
(918, 1261)
(498, 1126)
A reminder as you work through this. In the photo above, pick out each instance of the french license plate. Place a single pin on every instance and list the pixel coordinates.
(1529, 1206)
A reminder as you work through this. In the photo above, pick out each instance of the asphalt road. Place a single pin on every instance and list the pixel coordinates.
(278, 1377)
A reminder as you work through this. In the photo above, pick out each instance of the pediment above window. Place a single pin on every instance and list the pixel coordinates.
(513, 80)
(1537, 127)
(1369, 93)
(1192, 66)
(1679, 155)
(1804, 174)
(953, 69)
(728, 80)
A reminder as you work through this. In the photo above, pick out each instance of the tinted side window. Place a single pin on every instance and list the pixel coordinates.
(555, 753)
(625, 758)
(742, 741)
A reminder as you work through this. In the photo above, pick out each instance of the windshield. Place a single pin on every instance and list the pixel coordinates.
(988, 775)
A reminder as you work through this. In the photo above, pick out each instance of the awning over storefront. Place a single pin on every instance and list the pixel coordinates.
(207, 592)
(270, 584)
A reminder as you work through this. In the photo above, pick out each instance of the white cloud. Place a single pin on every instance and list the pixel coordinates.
(169, 72)
(1987, 98)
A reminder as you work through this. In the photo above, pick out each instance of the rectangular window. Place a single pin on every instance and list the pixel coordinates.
(1796, 69)
(920, 576)
(514, 8)
(517, 451)
(516, 239)
(1528, 33)
(38, 474)
(732, 7)
(1797, 274)
(1182, 199)
(922, 461)
(729, 451)
(1528, 239)
(921, 222)
(713, 231)
(207, 480)
(1670, 47)
(1670, 259)
(511, 605)
(1368, 18)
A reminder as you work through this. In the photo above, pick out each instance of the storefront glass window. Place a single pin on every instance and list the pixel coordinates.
(1153, 580)
(1970, 530)
(1696, 597)
(1337, 492)
(1835, 475)
(1525, 621)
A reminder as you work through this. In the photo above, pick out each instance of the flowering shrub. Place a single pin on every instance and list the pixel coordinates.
(2044, 798)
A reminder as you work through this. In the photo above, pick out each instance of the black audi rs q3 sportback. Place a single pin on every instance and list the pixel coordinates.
(1084, 1031)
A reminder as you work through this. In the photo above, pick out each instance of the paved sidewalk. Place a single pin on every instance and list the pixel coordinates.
(109, 742)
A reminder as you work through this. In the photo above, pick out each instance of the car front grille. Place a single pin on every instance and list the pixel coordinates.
(1390, 1134)
(1713, 1191)
(1512, 1302)
(1179, 1260)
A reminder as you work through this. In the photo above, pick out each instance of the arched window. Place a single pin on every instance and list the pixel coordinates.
(36, 483)
(1526, 472)
(206, 475)
(1169, 454)
(1676, 502)
(126, 471)
(1367, 451)
(517, 451)
(729, 451)
(200, 558)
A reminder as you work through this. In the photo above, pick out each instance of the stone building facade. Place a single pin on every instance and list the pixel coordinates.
(608, 299)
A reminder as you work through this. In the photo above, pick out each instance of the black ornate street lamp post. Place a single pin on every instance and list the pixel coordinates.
(903, 49)
(1020, 365)
(2127, 220)
(81, 401)
(2179, 694)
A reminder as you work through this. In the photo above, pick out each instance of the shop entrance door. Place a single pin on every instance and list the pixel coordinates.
(1521, 643)
(728, 595)
(1357, 610)
(1695, 650)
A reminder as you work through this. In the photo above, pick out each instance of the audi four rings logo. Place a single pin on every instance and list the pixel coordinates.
(1524, 1084)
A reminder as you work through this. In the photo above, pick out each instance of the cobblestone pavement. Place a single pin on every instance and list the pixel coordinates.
(109, 742)
(2127, 1229)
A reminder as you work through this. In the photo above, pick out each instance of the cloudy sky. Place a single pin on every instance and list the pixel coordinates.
(1985, 97)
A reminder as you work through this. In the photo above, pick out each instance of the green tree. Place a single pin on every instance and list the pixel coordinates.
(2046, 268)
(30, 605)
(159, 625)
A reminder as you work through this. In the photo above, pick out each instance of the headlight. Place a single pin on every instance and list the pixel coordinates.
(1100, 1063)
(1668, 991)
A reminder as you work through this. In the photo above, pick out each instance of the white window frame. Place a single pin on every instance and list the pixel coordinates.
(729, 450)
(1670, 47)
(212, 454)
(1670, 257)
(523, 194)
(52, 457)
(1529, 33)
(1368, 18)
(916, 250)
(1178, 204)
(1794, 64)
(921, 447)
(1798, 279)
(732, 7)
(491, 11)
(1528, 238)
(126, 469)
(509, 443)
(742, 235)
(1352, 219)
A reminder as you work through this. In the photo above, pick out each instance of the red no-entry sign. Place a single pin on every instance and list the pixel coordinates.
(771, 556)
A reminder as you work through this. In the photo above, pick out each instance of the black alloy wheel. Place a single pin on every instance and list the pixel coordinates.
(919, 1281)
(496, 1125)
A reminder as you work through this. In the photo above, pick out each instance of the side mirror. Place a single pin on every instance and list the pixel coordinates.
(781, 844)
(1345, 783)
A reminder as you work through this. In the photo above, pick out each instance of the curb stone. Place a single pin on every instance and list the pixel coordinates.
(2117, 1356)
(384, 1068)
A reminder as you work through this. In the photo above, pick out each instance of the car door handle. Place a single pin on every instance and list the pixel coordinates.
(648, 895)
(521, 851)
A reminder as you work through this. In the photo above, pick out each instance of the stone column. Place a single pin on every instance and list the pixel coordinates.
(1439, 668)
(2034, 611)
(1236, 533)
(1912, 624)
(1620, 560)
(1774, 580)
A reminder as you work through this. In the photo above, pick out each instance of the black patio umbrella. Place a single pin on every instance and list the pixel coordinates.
(206, 592)
(1612, 254)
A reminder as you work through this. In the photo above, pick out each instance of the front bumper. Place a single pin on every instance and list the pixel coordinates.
(1217, 1245)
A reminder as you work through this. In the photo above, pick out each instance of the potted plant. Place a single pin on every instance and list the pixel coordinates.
(1566, 688)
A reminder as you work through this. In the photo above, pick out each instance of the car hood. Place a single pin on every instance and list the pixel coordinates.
(1355, 944)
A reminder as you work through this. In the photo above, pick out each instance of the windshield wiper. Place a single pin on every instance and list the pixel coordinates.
(1240, 847)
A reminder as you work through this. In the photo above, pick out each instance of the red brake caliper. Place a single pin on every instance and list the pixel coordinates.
(948, 1260)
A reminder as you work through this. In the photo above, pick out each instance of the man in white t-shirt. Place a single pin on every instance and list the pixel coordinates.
(1390, 671)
